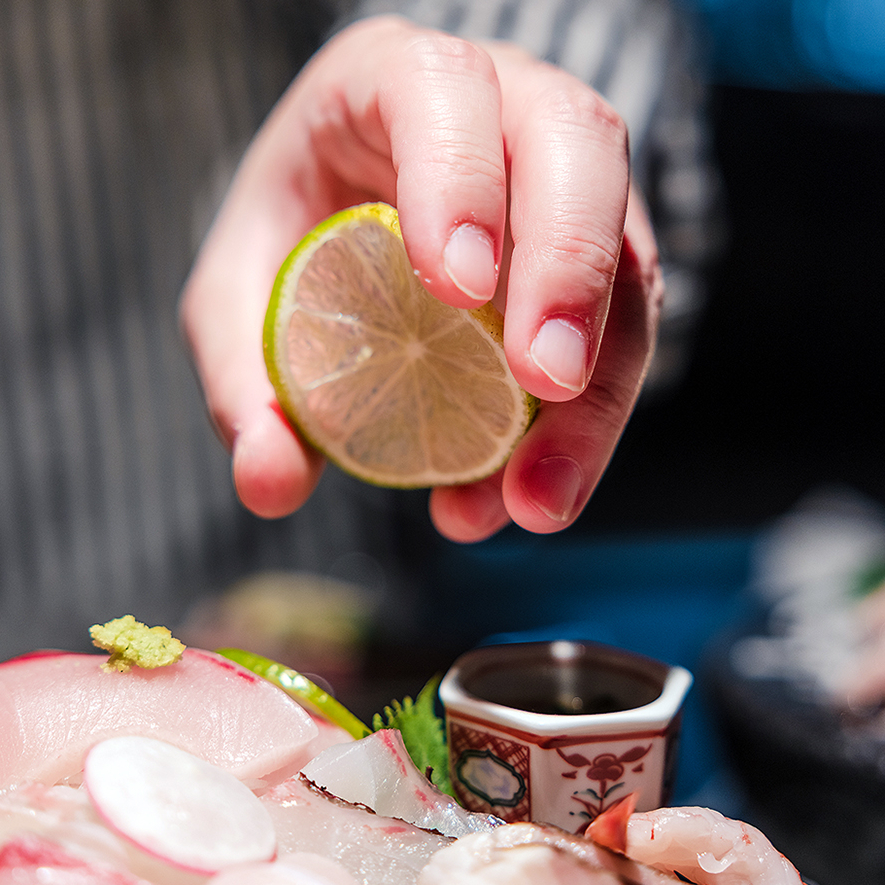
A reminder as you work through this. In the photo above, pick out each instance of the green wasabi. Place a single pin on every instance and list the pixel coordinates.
(133, 644)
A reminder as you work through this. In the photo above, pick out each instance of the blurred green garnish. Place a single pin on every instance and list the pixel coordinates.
(869, 578)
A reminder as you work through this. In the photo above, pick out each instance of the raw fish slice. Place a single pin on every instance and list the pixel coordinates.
(375, 850)
(522, 854)
(609, 828)
(65, 817)
(54, 706)
(378, 772)
(30, 860)
(328, 735)
(62, 816)
(299, 868)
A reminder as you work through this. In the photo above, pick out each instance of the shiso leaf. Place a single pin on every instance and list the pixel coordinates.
(423, 731)
(133, 644)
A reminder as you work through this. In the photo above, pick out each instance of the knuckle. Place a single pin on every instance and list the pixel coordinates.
(578, 122)
(575, 244)
(609, 401)
(574, 110)
(431, 54)
(456, 85)
(458, 156)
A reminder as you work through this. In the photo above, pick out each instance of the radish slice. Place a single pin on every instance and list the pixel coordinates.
(176, 806)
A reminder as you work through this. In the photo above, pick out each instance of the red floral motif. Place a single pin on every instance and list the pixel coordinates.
(606, 770)
(605, 767)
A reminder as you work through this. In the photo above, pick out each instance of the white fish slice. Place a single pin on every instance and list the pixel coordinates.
(31, 860)
(523, 853)
(300, 868)
(376, 850)
(378, 772)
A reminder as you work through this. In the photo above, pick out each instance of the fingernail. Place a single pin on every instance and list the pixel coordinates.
(561, 351)
(554, 485)
(469, 259)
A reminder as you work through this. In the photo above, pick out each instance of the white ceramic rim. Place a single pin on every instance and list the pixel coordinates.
(654, 716)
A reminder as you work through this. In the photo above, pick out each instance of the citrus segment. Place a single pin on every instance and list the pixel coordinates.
(395, 387)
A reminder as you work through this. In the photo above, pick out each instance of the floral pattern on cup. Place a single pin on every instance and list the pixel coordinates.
(606, 770)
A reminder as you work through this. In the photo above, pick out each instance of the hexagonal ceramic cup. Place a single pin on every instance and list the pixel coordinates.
(558, 731)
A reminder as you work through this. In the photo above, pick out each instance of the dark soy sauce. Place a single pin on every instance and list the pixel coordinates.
(573, 705)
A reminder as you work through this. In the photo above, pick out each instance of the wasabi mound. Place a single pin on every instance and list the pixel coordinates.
(133, 644)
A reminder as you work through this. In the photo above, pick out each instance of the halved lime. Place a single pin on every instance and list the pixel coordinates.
(395, 387)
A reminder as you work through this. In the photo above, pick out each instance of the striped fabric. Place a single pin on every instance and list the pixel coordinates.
(119, 126)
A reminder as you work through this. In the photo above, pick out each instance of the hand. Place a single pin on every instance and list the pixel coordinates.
(494, 160)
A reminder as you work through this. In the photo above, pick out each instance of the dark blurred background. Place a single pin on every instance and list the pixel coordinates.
(783, 388)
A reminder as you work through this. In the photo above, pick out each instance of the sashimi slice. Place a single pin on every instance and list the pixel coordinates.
(328, 735)
(378, 772)
(535, 853)
(55, 706)
(609, 828)
(65, 817)
(299, 868)
(702, 845)
(375, 850)
(30, 860)
(61, 816)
